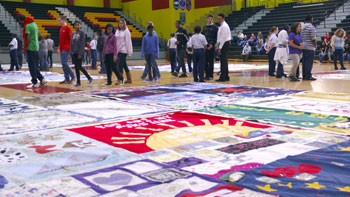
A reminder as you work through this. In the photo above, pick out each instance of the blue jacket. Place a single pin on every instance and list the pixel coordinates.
(150, 45)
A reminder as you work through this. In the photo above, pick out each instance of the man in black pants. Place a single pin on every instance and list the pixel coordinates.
(224, 38)
(210, 32)
(182, 38)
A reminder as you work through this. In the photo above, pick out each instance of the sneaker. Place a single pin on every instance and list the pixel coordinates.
(65, 82)
(77, 85)
(43, 82)
(343, 68)
(220, 80)
(148, 80)
(156, 79)
(336, 68)
(175, 74)
(107, 84)
(31, 86)
(90, 81)
(121, 82)
(183, 75)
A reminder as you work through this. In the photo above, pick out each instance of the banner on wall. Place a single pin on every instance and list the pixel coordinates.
(183, 17)
(176, 4)
(188, 5)
(182, 4)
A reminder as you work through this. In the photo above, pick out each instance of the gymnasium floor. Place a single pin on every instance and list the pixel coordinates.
(253, 136)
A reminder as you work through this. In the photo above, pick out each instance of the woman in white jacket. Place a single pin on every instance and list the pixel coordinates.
(282, 51)
(124, 48)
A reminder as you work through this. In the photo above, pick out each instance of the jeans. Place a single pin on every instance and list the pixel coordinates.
(14, 59)
(152, 66)
(155, 71)
(94, 58)
(308, 61)
(339, 54)
(78, 67)
(198, 64)
(172, 54)
(347, 56)
(121, 63)
(44, 66)
(181, 60)
(189, 60)
(103, 66)
(111, 66)
(33, 66)
(224, 62)
(209, 63)
(49, 58)
(68, 73)
(322, 56)
(87, 58)
(272, 62)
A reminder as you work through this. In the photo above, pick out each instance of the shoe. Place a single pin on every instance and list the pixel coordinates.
(228, 79)
(128, 78)
(77, 85)
(107, 84)
(310, 79)
(183, 75)
(156, 79)
(64, 82)
(9, 70)
(32, 86)
(102, 72)
(201, 81)
(293, 79)
(72, 80)
(43, 82)
(219, 73)
(335, 68)
(284, 75)
(149, 80)
(121, 82)
(278, 77)
(272, 75)
(343, 68)
(195, 80)
(220, 80)
(143, 77)
(175, 74)
(90, 81)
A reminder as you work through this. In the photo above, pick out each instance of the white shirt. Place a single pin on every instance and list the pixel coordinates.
(283, 38)
(198, 41)
(224, 34)
(93, 44)
(171, 43)
(273, 40)
(14, 44)
(189, 43)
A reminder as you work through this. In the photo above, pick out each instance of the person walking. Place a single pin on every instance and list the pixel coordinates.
(337, 45)
(64, 48)
(43, 51)
(223, 40)
(124, 48)
(77, 53)
(150, 51)
(31, 47)
(210, 32)
(100, 47)
(308, 34)
(50, 46)
(295, 47)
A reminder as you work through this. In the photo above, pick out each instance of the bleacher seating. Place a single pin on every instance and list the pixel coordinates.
(5, 36)
(98, 18)
(238, 17)
(285, 14)
(345, 24)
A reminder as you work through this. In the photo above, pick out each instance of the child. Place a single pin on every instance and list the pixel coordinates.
(77, 52)
(13, 53)
(199, 45)
(87, 52)
(110, 52)
(189, 52)
(150, 50)
(172, 52)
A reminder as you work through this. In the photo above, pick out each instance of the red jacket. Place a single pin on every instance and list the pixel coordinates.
(27, 20)
(65, 38)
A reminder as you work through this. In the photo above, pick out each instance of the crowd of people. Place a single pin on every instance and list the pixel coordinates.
(296, 42)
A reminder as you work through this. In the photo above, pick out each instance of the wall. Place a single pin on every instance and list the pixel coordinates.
(90, 3)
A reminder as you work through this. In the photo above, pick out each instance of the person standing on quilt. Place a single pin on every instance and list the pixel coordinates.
(210, 32)
(124, 48)
(78, 44)
(100, 47)
(199, 44)
(31, 47)
(272, 45)
(308, 34)
(150, 51)
(337, 45)
(64, 48)
(223, 40)
(172, 52)
(13, 45)
(50, 46)
(295, 47)
(189, 53)
(93, 45)
(282, 51)
(110, 55)
(182, 39)
(145, 72)
(43, 52)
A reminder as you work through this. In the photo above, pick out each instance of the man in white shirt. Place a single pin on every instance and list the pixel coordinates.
(13, 53)
(172, 52)
(224, 38)
(247, 50)
(93, 45)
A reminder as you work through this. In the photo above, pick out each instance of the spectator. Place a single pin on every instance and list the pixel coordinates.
(93, 45)
(323, 51)
(87, 58)
(43, 51)
(50, 46)
(247, 50)
(252, 39)
(337, 44)
(259, 44)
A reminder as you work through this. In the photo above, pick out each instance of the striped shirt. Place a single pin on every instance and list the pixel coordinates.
(308, 34)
